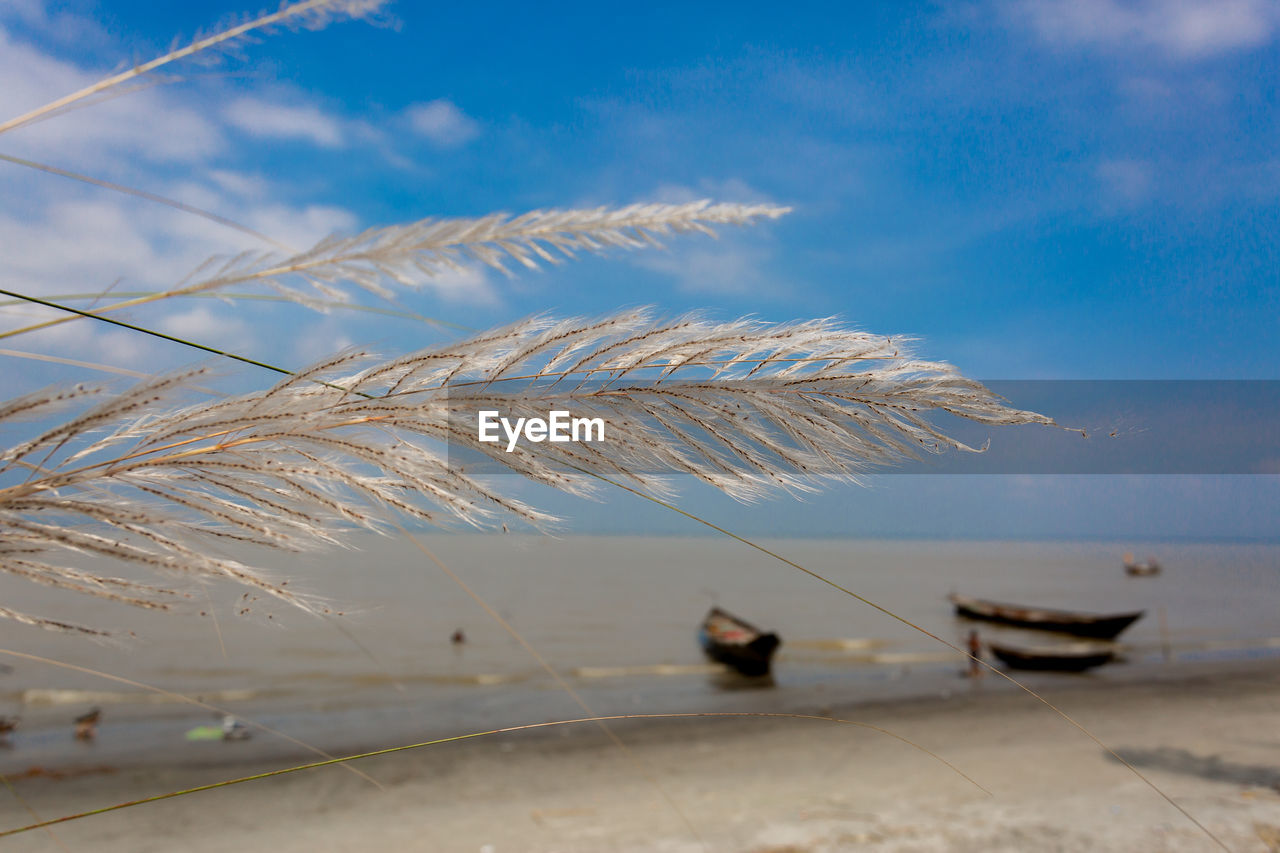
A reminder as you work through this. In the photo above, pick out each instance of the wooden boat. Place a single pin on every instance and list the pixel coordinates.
(736, 643)
(1071, 657)
(1102, 626)
(1136, 569)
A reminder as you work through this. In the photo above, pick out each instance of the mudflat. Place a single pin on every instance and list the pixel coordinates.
(1020, 778)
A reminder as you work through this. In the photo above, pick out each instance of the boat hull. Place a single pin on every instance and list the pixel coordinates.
(1096, 626)
(737, 644)
(1063, 660)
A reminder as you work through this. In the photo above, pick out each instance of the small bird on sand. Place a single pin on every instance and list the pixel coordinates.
(87, 724)
(7, 724)
(233, 729)
(458, 637)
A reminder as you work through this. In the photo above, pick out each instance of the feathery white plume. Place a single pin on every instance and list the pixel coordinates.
(745, 406)
(413, 254)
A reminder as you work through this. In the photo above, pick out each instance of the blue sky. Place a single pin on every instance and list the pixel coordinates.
(1034, 189)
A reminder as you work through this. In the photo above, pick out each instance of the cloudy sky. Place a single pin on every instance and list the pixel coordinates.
(1033, 189)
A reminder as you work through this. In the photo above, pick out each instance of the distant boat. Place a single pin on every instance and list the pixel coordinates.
(736, 643)
(1098, 625)
(1136, 569)
(1072, 657)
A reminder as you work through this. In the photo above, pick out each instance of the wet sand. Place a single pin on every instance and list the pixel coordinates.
(1206, 734)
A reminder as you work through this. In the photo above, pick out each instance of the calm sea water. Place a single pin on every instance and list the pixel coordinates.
(615, 617)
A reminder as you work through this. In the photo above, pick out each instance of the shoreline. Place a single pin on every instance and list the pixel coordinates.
(616, 618)
(147, 742)
(759, 784)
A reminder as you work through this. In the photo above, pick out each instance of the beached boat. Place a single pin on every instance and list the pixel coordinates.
(1136, 569)
(1103, 626)
(736, 643)
(1071, 657)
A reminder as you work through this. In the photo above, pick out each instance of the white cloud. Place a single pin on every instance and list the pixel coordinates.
(274, 120)
(466, 285)
(1125, 183)
(206, 325)
(442, 123)
(318, 340)
(237, 183)
(733, 190)
(301, 228)
(729, 268)
(29, 11)
(118, 347)
(79, 246)
(60, 26)
(735, 264)
(1181, 29)
(152, 124)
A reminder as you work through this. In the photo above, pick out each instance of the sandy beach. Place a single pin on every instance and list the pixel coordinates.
(1204, 733)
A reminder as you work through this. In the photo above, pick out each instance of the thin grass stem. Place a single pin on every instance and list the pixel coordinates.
(283, 14)
(71, 362)
(148, 196)
(144, 330)
(8, 784)
(178, 697)
(332, 305)
(560, 682)
(473, 735)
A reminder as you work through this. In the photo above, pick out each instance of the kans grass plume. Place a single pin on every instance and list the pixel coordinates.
(745, 406)
(413, 254)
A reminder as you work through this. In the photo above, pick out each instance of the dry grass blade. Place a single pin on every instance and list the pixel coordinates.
(49, 624)
(309, 13)
(71, 362)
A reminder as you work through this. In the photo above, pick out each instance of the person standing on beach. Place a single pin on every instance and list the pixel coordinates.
(975, 654)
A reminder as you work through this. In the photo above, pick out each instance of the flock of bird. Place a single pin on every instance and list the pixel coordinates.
(86, 726)
(87, 723)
